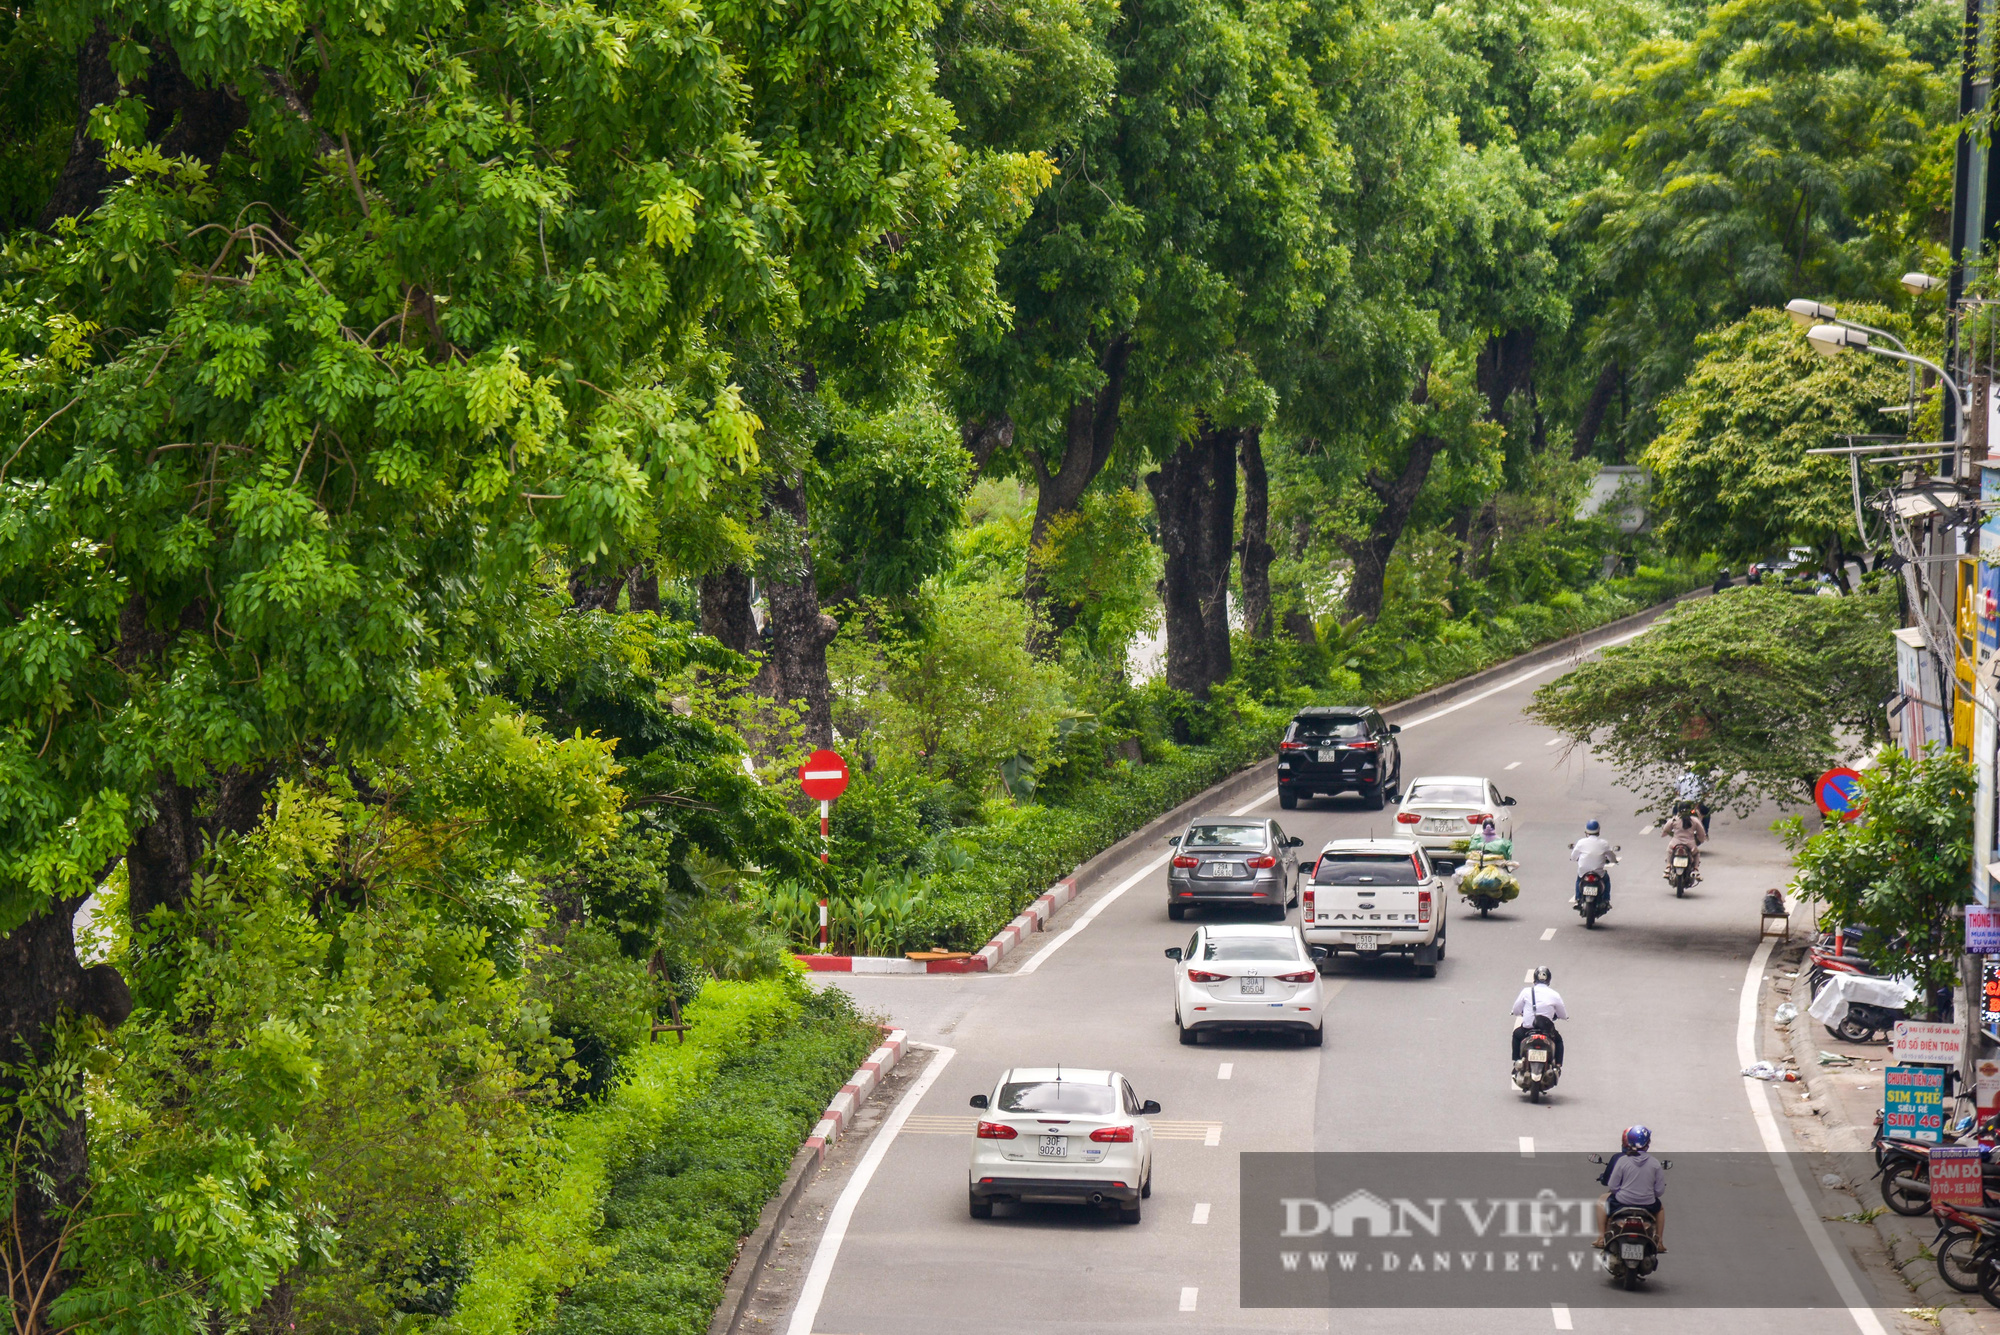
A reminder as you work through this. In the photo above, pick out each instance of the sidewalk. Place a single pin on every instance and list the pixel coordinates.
(1832, 1109)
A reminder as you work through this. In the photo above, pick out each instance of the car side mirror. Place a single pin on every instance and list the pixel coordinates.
(1597, 1158)
(1317, 952)
(1506, 801)
(1295, 842)
(1666, 1163)
(1149, 1107)
(1174, 839)
(1174, 954)
(1395, 727)
(979, 1100)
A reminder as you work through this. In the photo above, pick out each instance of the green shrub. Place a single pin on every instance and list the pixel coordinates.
(676, 1212)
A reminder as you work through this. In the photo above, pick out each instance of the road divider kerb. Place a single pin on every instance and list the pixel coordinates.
(1034, 918)
(855, 1093)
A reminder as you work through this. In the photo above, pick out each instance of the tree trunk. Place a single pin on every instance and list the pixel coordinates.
(725, 609)
(1256, 549)
(595, 589)
(183, 118)
(1594, 409)
(1089, 432)
(795, 671)
(1398, 496)
(1194, 494)
(984, 437)
(644, 583)
(1506, 363)
(42, 981)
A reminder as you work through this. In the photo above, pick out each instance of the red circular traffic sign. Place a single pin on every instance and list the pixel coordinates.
(823, 776)
(1838, 793)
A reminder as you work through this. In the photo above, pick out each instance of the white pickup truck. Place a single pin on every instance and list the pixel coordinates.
(1372, 897)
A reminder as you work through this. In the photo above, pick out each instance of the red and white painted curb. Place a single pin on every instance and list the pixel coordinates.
(834, 1122)
(1034, 918)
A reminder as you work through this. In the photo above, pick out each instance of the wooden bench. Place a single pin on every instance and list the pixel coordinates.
(1783, 921)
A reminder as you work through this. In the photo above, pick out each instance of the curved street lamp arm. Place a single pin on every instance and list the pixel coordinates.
(1958, 395)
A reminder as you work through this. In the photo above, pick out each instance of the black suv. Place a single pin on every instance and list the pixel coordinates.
(1338, 750)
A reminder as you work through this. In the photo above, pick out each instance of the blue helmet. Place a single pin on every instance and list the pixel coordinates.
(1590, 827)
(1637, 1138)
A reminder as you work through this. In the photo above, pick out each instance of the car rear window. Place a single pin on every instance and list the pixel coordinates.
(1224, 836)
(1367, 869)
(1058, 1096)
(1474, 793)
(1251, 948)
(1331, 729)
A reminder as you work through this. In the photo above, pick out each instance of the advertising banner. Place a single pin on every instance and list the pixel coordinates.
(1957, 1176)
(1982, 930)
(1927, 1041)
(1913, 1102)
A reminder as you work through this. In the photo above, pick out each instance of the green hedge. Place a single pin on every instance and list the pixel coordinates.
(677, 1210)
(553, 1243)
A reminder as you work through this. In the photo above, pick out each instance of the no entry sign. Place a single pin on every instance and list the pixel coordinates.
(1838, 793)
(823, 776)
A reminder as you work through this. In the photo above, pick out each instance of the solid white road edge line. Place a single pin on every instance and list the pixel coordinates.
(828, 1252)
(1110, 897)
(1774, 1145)
(1514, 681)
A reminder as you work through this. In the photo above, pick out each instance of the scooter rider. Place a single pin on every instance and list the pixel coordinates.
(1685, 830)
(1637, 1182)
(1538, 1007)
(1692, 791)
(1591, 853)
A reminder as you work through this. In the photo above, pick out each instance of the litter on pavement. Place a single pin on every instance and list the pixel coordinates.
(1787, 1013)
(1766, 1071)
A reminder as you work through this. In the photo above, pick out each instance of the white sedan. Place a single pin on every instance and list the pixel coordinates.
(1247, 976)
(1439, 809)
(1062, 1133)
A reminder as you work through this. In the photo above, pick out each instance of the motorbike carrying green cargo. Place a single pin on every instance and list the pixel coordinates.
(1486, 878)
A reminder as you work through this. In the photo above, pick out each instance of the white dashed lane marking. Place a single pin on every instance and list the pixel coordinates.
(1201, 1213)
(1212, 1137)
(1187, 1299)
(1527, 1147)
(1549, 934)
(1222, 1072)
(1513, 764)
(1551, 741)
(1561, 1314)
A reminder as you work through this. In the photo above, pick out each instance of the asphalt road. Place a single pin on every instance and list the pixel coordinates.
(1408, 1065)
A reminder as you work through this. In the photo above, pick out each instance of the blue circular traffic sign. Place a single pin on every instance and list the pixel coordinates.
(1838, 793)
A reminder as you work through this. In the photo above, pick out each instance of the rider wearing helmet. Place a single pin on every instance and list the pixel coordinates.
(1637, 1182)
(1592, 853)
(1538, 1008)
(1684, 830)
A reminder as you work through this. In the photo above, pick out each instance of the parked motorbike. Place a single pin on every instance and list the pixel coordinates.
(1681, 873)
(1966, 1238)
(1904, 1166)
(1593, 898)
(1630, 1250)
(1863, 1021)
(1536, 1072)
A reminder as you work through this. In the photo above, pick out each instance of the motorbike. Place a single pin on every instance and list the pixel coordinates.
(1536, 1072)
(1594, 893)
(1681, 873)
(1966, 1240)
(1904, 1166)
(1630, 1250)
(1486, 879)
(1863, 1021)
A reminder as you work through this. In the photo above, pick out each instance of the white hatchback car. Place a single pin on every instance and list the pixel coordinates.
(1247, 976)
(1062, 1133)
(1440, 809)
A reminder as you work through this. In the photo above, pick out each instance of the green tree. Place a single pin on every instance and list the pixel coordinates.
(1760, 689)
(1730, 463)
(1900, 868)
(1769, 156)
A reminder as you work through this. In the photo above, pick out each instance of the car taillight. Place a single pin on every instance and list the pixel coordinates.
(1291, 746)
(1266, 861)
(1407, 818)
(1112, 1135)
(1200, 976)
(1423, 906)
(1307, 900)
(1183, 860)
(996, 1131)
(1363, 746)
(1477, 820)
(1304, 976)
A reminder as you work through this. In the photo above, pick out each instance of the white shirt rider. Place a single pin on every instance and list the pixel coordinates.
(1690, 786)
(1539, 999)
(1591, 853)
